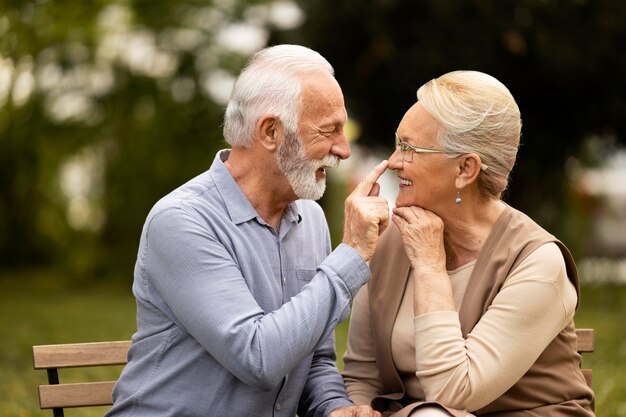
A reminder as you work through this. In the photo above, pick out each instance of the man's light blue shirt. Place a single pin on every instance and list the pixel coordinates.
(235, 318)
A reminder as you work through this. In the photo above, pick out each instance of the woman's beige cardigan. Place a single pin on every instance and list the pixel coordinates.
(553, 386)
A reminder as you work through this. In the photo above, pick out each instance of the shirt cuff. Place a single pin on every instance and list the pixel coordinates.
(328, 407)
(346, 263)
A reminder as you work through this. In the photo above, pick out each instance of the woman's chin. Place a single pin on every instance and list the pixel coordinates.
(400, 202)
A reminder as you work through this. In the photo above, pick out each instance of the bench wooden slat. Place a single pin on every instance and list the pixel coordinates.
(586, 340)
(80, 354)
(76, 395)
(586, 343)
(588, 374)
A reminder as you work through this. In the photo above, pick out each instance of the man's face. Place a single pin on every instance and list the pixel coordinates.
(301, 172)
(320, 142)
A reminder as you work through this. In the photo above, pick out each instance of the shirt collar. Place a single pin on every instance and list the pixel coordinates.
(239, 208)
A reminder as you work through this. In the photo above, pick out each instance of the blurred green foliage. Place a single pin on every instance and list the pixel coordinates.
(105, 106)
(103, 112)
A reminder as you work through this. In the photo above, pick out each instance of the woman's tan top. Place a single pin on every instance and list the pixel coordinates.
(433, 357)
(467, 374)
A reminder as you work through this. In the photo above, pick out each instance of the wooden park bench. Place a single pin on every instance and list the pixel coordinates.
(57, 396)
(586, 343)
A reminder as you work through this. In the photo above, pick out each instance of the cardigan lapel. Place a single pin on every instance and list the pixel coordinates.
(390, 272)
(471, 310)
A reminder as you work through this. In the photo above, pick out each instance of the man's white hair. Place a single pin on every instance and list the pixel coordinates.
(269, 84)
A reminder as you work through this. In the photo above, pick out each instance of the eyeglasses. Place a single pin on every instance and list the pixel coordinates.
(407, 150)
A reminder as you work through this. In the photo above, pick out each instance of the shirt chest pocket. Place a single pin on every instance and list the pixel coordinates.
(304, 276)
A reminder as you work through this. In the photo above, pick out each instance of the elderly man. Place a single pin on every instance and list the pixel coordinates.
(238, 290)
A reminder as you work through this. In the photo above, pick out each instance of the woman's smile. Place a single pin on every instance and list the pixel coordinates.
(405, 183)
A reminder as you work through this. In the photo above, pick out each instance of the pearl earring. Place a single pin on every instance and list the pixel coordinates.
(458, 200)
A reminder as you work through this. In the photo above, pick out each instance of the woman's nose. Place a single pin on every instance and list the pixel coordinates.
(395, 160)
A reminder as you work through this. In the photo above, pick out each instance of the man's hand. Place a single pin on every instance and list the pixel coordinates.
(366, 214)
(354, 411)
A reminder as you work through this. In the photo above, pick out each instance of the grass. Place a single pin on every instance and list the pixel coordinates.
(42, 308)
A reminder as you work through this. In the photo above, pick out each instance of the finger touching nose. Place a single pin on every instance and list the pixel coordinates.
(364, 188)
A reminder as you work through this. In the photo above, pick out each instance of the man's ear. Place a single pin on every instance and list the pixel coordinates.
(268, 132)
(468, 168)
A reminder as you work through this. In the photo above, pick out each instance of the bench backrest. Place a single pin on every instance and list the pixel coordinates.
(586, 343)
(57, 396)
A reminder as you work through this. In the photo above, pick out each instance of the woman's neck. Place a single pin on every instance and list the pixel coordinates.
(466, 233)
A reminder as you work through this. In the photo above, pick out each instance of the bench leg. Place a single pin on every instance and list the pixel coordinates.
(53, 379)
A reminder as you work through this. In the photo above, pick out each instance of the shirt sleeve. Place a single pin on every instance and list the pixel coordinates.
(535, 303)
(324, 390)
(204, 290)
(360, 372)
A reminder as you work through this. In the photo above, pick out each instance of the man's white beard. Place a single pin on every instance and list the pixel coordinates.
(300, 171)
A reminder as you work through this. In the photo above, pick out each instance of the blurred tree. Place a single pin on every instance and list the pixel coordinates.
(559, 58)
(105, 106)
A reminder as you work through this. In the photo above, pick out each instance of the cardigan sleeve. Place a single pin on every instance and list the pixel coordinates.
(360, 373)
(536, 302)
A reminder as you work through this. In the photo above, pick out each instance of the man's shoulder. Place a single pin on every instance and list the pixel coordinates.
(196, 195)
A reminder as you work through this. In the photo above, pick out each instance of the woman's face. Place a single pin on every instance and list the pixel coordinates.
(427, 181)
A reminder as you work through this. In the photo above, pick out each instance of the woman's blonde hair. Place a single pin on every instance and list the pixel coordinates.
(478, 115)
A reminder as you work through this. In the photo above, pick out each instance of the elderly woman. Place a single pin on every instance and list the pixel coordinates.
(470, 307)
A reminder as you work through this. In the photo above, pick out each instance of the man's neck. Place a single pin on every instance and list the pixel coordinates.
(260, 180)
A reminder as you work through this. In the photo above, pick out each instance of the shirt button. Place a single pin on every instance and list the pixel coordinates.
(277, 407)
(284, 281)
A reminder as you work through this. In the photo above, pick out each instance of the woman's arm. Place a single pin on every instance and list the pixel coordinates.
(536, 302)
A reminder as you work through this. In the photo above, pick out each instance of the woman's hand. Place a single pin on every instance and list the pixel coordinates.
(422, 233)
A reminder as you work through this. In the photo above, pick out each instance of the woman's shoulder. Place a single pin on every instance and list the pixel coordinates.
(545, 264)
(521, 221)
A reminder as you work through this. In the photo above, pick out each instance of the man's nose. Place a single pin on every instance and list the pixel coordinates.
(341, 147)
